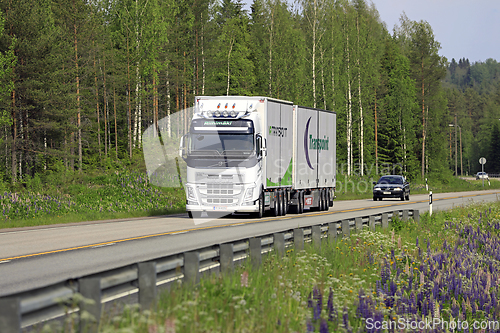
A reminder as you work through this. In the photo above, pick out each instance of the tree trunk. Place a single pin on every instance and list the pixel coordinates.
(78, 116)
(361, 119)
(105, 109)
(169, 123)
(349, 116)
(228, 65)
(376, 135)
(423, 122)
(14, 136)
(97, 108)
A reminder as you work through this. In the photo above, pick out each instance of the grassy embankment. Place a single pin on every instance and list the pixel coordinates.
(446, 266)
(66, 197)
(74, 197)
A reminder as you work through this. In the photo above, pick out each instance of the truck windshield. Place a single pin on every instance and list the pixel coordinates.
(221, 143)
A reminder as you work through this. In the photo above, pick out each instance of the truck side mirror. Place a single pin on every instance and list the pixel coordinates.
(182, 147)
(261, 146)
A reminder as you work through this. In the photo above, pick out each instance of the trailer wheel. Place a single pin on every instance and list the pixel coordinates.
(285, 202)
(301, 202)
(330, 199)
(326, 202)
(321, 201)
(279, 202)
(275, 209)
(190, 214)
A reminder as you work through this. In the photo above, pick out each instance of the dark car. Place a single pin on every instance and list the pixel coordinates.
(391, 186)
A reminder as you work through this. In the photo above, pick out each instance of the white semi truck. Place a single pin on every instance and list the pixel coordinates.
(258, 154)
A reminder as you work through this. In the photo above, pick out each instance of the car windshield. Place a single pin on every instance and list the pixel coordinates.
(390, 180)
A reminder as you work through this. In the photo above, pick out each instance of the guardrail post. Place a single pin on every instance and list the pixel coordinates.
(395, 214)
(332, 232)
(279, 243)
(316, 236)
(346, 228)
(359, 223)
(416, 215)
(226, 255)
(10, 314)
(147, 284)
(298, 239)
(385, 220)
(255, 251)
(90, 289)
(371, 222)
(406, 214)
(192, 267)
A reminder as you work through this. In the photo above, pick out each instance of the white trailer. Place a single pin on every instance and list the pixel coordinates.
(252, 154)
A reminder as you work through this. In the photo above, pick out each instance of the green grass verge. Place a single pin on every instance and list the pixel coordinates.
(340, 286)
(86, 197)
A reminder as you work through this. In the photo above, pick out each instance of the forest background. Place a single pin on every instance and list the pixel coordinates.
(80, 80)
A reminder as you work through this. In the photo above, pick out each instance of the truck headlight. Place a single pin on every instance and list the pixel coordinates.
(191, 196)
(248, 194)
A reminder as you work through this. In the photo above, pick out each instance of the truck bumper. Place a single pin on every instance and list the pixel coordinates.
(224, 209)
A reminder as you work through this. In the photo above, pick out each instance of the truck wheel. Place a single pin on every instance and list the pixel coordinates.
(330, 199)
(301, 202)
(321, 201)
(327, 200)
(190, 214)
(275, 210)
(261, 211)
(285, 203)
(280, 203)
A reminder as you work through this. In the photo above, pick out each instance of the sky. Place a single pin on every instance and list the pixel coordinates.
(465, 28)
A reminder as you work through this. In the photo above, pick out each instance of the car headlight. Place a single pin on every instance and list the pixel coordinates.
(377, 189)
(398, 189)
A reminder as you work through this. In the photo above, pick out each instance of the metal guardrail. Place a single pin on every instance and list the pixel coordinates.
(25, 309)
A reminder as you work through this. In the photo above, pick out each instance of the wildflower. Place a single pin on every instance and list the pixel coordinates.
(244, 279)
(170, 325)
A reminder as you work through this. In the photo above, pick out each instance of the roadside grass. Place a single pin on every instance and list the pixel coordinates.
(68, 197)
(84, 197)
(361, 187)
(445, 266)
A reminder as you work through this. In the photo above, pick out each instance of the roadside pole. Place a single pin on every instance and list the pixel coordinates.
(430, 203)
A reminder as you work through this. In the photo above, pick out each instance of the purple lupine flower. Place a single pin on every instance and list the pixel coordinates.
(319, 303)
(310, 327)
(331, 310)
(345, 318)
(323, 327)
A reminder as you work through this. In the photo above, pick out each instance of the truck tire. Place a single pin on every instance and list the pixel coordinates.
(275, 209)
(330, 199)
(280, 203)
(190, 214)
(261, 211)
(285, 202)
(327, 203)
(321, 201)
(301, 202)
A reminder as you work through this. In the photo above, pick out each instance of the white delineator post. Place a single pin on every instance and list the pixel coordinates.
(430, 203)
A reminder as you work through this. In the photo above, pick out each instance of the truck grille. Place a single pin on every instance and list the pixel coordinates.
(220, 193)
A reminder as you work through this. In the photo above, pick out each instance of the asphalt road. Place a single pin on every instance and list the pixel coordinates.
(40, 256)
